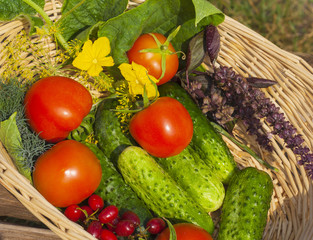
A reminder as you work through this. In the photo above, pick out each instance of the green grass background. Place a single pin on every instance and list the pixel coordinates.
(286, 23)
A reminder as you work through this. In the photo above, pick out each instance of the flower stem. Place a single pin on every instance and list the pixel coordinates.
(45, 16)
(222, 131)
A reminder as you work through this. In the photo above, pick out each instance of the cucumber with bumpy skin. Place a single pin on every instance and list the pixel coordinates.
(114, 190)
(158, 190)
(108, 131)
(196, 178)
(246, 204)
(206, 141)
(111, 142)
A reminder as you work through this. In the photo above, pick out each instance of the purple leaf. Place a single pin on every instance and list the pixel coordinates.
(212, 42)
(260, 82)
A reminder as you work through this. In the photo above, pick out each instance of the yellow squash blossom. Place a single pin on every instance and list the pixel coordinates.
(137, 77)
(94, 56)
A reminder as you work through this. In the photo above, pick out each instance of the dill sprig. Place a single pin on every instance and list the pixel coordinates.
(126, 102)
(12, 94)
(32, 146)
(29, 59)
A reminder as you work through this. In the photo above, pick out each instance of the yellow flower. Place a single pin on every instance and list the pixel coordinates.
(137, 77)
(94, 56)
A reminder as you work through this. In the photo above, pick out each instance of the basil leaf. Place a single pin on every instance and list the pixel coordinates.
(204, 8)
(196, 52)
(161, 16)
(11, 139)
(11, 9)
(260, 82)
(212, 42)
(79, 15)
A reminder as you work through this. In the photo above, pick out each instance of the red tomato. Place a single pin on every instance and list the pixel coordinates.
(54, 106)
(186, 231)
(67, 173)
(163, 129)
(152, 60)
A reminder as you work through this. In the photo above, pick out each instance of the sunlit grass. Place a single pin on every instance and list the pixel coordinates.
(287, 23)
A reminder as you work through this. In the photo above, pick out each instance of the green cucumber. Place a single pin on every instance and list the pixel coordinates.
(206, 141)
(196, 178)
(246, 204)
(108, 131)
(158, 190)
(115, 191)
(111, 142)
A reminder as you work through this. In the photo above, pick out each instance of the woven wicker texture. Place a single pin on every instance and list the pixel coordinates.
(290, 215)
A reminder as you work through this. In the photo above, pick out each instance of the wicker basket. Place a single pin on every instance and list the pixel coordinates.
(290, 215)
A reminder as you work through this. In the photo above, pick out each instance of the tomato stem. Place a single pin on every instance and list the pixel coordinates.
(162, 49)
(172, 36)
(163, 65)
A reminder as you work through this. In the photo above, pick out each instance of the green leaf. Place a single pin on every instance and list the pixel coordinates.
(11, 9)
(196, 52)
(9, 134)
(88, 33)
(11, 139)
(173, 235)
(79, 15)
(204, 8)
(161, 16)
(35, 22)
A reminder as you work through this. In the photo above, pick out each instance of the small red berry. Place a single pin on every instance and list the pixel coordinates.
(107, 235)
(73, 212)
(112, 225)
(95, 202)
(108, 214)
(131, 216)
(124, 228)
(95, 229)
(155, 225)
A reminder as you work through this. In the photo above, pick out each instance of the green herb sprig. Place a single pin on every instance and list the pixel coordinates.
(22, 144)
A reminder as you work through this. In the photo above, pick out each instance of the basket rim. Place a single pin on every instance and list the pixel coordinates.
(248, 53)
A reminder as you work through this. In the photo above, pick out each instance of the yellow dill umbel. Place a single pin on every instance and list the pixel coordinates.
(28, 59)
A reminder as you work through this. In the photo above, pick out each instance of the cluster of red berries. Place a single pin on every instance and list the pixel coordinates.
(107, 223)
